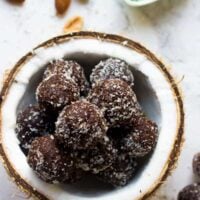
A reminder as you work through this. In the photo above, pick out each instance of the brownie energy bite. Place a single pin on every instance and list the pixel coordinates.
(32, 122)
(116, 99)
(112, 68)
(190, 192)
(70, 70)
(97, 159)
(80, 125)
(50, 164)
(141, 138)
(136, 140)
(56, 91)
(120, 172)
(196, 164)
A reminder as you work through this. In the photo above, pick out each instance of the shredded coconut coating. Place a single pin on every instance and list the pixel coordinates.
(112, 68)
(80, 126)
(32, 122)
(69, 69)
(196, 164)
(116, 100)
(97, 159)
(190, 192)
(50, 164)
(141, 138)
(55, 92)
(120, 172)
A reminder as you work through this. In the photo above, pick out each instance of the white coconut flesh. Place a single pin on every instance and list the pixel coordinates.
(139, 2)
(152, 89)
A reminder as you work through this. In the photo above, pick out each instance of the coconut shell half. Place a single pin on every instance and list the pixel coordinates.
(155, 88)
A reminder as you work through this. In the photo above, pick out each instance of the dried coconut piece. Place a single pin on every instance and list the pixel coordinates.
(97, 159)
(116, 99)
(196, 164)
(141, 137)
(50, 164)
(120, 172)
(190, 192)
(112, 68)
(80, 126)
(34, 121)
(70, 70)
(74, 24)
(62, 5)
(56, 91)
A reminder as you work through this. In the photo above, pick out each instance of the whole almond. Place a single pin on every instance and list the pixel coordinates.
(74, 24)
(62, 5)
(16, 1)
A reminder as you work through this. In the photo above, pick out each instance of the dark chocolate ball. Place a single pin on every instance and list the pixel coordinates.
(116, 99)
(112, 68)
(97, 159)
(196, 164)
(55, 92)
(141, 138)
(190, 192)
(32, 122)
(70, 70)
(120, 172)
(80, 126)
(50, 164)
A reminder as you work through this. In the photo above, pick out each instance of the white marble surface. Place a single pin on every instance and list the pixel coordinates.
(168, 27)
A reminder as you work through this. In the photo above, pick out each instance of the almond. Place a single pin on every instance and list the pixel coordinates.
(74, 24)
(62, 5)
(16, 1)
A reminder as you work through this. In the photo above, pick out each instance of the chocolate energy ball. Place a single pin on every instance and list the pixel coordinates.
(116, 99)
(80, 126)
(112, 68)
(50, 164)
(70, 70)
(190, 192)
(97, 159)
(32, 122)
(196, 164)
(56, 91)
(141, 138)
(120, 172)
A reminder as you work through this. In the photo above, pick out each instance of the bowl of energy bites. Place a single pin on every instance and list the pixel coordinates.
(90, 116)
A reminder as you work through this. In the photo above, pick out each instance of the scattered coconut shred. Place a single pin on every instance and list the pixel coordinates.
(74, 24)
